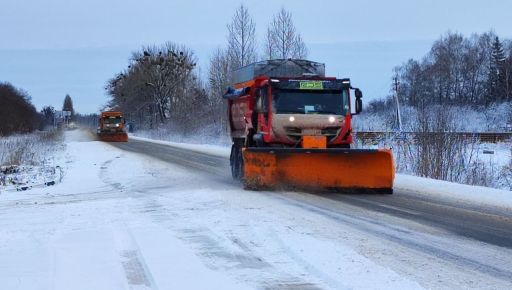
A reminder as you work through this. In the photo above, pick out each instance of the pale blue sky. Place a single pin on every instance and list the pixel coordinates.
(54, 47)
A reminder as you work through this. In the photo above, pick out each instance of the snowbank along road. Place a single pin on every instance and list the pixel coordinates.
(143, 215)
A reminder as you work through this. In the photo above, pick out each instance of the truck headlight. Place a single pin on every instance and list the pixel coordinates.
(292, 118)
(332, 119)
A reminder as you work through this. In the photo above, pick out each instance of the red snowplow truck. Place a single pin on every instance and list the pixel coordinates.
(291, 126)
(111, 127)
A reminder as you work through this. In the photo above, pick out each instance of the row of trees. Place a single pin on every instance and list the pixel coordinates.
(462, 84)
(161, 86)
(17, 114)
(281, 41)
(459, 70)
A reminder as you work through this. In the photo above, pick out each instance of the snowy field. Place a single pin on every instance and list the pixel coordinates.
(121, 220)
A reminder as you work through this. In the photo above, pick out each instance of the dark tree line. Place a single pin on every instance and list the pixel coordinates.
(459, 71)
(17, 114)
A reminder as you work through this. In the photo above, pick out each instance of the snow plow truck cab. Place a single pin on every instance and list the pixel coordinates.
(111, 127)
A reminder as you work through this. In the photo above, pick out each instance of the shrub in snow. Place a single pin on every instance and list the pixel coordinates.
(28, 149)
(28, 159)
(434, 150)
(506, 174)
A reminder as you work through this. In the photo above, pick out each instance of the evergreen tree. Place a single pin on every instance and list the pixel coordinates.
(68, 105)
(497, 81)
(508, 74)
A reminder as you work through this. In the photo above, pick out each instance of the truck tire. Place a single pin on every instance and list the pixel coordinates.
(240, 164)
(236, 161)
(232, 161)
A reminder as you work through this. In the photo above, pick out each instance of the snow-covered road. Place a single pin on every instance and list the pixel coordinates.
(126, 220)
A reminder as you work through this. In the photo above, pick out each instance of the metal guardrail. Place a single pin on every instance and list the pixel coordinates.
(488, 137)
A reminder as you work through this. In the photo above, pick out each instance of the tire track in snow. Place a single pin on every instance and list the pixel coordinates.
(227, 251)
(104, 174)
(136, 271)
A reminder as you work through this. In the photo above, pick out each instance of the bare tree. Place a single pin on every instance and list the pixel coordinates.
(282, 39)
(300, 49)
(459, 70)
(269, 47)
(218, 81)
(241, 38)
(218, 74)
(153, 87)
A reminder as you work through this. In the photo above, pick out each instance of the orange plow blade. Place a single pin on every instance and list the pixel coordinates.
(122, 137)
(365, 169)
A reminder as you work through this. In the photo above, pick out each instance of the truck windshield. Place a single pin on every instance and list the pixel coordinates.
(329, 102)
(113, 120)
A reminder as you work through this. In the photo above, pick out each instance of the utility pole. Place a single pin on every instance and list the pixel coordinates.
(396, 87)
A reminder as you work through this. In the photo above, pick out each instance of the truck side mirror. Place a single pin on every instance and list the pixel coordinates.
(359, 106)
(359, 101)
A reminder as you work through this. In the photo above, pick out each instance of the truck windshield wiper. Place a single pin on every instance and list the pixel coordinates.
(323, 112)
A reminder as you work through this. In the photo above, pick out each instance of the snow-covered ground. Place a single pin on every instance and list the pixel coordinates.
(124, 221)
(121, 220)
(88, 232)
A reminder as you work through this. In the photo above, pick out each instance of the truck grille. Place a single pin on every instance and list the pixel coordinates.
(330, 131)
(296, 134)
